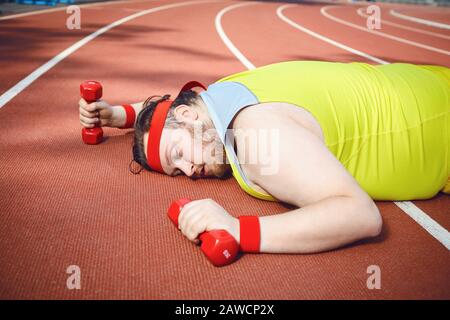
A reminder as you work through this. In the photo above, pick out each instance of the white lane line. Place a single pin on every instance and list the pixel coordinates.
(32, 13)
(324, 12)
(226, 40)
(421, 21)
(323, 38)
(21, 85)
(425, 221)
(360, 11)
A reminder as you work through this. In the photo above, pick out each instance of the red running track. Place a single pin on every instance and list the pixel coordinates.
(64, 203)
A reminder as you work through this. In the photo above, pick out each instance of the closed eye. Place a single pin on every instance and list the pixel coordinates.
(179, 153)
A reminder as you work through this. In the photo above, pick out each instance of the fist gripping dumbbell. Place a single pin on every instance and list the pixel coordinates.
(219, 246)
(91, 91)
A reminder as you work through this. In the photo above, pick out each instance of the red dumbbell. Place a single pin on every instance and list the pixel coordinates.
(91, 91)
(219, 246)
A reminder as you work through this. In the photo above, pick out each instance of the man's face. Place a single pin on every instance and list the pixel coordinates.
(184, 151)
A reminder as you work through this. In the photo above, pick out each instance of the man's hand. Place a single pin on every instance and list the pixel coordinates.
(199, 216)
(99, 112)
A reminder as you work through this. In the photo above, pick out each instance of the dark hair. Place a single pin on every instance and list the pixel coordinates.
(142, 124)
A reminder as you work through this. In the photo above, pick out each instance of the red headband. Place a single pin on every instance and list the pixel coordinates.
(157, 125)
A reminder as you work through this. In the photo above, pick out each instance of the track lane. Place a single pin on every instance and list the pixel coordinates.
(433, 14)
(362, 11)
(120, 256)
(398, 7)
(386, 49)
(239, 25)
(34, 40)
(349, 14)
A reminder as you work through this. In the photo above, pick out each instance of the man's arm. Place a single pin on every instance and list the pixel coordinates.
(119, 116)
(334, 210)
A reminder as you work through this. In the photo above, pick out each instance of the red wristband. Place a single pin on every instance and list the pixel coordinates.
(131, 116)
(250, 233)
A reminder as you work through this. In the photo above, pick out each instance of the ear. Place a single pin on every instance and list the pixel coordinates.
(185, 113)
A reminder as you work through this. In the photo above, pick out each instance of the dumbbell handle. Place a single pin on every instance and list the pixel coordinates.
(219, 246)
(175, 210)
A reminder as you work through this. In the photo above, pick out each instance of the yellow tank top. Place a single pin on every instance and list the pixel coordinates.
(389, 125)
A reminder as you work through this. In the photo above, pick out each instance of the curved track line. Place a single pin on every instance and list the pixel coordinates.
(19, 15)
(323, 38)
(401, 26)
(419, 20)
(226, 40)
(324, 12)
(21, 85)
(425, 221)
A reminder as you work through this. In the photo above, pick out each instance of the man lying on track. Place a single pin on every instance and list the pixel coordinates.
(326, 137)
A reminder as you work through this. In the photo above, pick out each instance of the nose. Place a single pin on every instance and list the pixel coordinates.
(196, 171)
(190, 169)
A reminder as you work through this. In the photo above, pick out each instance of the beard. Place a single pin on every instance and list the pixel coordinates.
(219, 168)
(212, 149)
